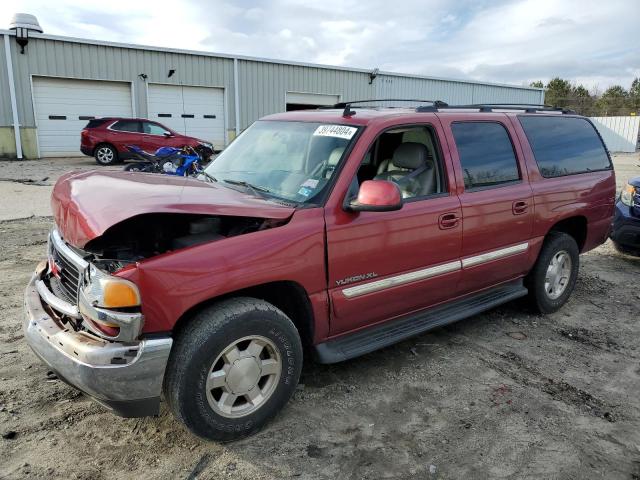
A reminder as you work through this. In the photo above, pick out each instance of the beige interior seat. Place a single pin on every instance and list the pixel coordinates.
(414, 171)
(417, 135)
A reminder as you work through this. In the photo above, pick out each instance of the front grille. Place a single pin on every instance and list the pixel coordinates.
(67, 282)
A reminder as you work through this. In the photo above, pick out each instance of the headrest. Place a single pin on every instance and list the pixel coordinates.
(335, 156)
(410, 155)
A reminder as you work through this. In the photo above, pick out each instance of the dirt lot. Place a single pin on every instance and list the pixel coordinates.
(506, 394)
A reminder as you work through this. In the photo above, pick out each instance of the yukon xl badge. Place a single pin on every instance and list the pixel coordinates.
(356, 278)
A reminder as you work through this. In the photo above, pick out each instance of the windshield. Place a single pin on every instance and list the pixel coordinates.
(289, 160)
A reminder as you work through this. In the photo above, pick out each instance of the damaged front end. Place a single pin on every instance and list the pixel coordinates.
(150, 235)
(85, 321)
(89, 344)
(84, 306)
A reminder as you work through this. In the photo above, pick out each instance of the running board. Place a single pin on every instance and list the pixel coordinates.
(379, 336)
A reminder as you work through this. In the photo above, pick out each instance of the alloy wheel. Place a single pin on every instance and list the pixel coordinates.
(558, 275)
(244, 376)
(105, 155)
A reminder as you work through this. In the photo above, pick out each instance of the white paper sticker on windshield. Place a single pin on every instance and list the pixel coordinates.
(340, 131)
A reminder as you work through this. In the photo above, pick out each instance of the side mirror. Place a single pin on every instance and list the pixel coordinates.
(377, 196)
(168, 134)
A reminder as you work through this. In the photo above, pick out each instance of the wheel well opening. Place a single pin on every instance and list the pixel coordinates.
(289, 297)
(574, 226)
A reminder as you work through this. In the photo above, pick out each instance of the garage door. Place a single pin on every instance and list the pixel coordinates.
(306, 101)
(194, 111)
(64, 106)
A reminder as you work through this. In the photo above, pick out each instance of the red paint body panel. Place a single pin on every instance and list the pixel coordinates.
(86, 204)
(379, 193)
(589, 195)
(489, 220)
(326, 249)
(389, 244)
(172, 283)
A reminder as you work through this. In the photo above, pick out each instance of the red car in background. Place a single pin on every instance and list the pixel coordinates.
(106, 139)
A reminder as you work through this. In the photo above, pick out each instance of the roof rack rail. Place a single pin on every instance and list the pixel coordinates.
(491, 107)
(348, 112)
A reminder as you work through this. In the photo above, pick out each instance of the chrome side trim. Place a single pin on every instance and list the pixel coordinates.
(55, 302)
(401, 279)
(432, 271)
(64, 249)
(494, 255)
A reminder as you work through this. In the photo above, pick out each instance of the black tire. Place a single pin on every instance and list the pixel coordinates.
(138, 167)
(555, 243)
(201, 342)
(106, 154)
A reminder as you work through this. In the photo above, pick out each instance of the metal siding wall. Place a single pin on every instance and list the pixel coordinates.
(620, 134)
(452, 92)
(495, 94)
(262, 85)
(5, 101)
(97, 62)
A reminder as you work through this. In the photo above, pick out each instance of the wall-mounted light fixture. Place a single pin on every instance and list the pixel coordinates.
(171, 72)
(373, 74)
(22, 24)
(143, 76)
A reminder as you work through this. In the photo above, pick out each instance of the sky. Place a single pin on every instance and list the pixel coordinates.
(589, 42)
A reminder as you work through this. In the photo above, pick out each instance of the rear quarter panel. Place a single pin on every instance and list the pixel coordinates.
(590, 195)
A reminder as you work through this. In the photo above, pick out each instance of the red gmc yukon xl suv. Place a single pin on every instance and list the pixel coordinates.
(337, 231)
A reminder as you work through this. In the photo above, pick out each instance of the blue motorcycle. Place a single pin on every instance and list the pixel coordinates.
(183, 162)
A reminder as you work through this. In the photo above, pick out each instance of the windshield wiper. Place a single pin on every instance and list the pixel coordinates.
(242, 183)
(210, 177)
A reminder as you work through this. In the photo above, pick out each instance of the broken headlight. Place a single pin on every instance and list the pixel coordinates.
(108, 291)
(628, 194)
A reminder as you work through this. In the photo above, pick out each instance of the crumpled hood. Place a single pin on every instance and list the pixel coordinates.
(86, 204)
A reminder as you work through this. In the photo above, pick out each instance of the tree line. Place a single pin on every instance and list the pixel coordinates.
(615, 100)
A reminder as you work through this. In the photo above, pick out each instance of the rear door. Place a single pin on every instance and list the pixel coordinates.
(496, 199)
(125, 132)
(153, 136)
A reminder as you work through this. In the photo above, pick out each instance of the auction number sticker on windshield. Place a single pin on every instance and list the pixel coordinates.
(339, 131)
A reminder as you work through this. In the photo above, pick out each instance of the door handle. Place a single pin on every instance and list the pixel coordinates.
(520, 207)
(448, 220)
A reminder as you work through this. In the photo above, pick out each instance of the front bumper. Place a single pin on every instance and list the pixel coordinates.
(626, 227)
(124, 376)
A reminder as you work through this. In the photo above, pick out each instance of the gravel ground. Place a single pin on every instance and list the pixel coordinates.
(506, 394)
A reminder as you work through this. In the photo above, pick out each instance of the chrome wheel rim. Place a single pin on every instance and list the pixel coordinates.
(243, 377)
(105, 155)
(558, 274)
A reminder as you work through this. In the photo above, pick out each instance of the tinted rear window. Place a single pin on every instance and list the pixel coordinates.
(564, 145)
(486, 154)
(126, 126)
(96, 122)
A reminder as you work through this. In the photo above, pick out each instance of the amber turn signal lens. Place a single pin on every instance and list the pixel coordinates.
(119, 294)
(627, 195)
